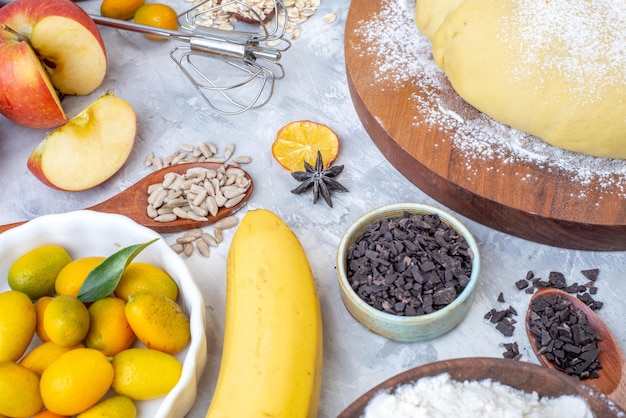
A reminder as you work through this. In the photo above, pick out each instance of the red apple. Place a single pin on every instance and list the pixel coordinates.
(47, 47)
(88, 149)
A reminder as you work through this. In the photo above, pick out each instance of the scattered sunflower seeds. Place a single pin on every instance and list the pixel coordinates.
(203, 241)
(203, 152)
(296, 12)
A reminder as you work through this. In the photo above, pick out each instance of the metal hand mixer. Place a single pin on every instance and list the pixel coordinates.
(233, 71)
(247, 67)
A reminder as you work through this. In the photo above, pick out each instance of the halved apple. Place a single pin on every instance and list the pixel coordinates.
(89, 149)
(46, 46)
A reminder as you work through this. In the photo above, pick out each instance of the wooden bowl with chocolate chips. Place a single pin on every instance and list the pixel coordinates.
(408, 271)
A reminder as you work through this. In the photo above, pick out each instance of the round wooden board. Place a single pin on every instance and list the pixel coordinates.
(521, 198)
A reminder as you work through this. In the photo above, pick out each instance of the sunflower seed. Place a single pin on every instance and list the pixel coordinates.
(188, 249)
(233, 201)
(235, 172)
(211, 205)
(232, 191)
(168, 179)
(185, 239)
(195, 217)
(166, 217)
(230, 180)
(330, 17)
(242, 160)
(229, 151)
(201, 197)
(227, 222)
(181, 213)
(215, 160)
(219, 235)
(185, 147)
(149, 158)
(209, 239)
(242, 182)
(178, 248)
(212, 147)
(176, 203)
(151, 212)
(164, 210)
(208, 186)
(203, 248)
(205, 150)
(157, 163)
(195, 233)
(200, 212)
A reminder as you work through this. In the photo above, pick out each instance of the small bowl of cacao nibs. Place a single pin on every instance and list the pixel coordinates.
(408, 271)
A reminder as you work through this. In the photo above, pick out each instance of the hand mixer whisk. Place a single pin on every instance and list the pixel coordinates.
(234, 70)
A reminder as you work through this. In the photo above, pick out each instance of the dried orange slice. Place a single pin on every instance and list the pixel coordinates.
(299, 141)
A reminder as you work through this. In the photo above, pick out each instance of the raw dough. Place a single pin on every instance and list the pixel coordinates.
(555, 69)
(429, 14)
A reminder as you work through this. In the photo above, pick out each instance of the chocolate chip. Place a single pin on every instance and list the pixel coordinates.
(501, 298)
(591, 274)
(505, 328)
(521, 284)
(409, 265)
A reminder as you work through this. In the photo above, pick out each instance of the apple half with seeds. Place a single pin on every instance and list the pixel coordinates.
(89, 149)
(48, 48)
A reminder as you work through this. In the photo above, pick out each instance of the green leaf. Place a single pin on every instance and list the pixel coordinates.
(103, 279)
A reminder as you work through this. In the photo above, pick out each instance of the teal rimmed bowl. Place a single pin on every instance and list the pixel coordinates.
(397, 327)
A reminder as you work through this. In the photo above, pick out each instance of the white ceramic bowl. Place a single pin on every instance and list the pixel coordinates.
(88, 233)
(396, 327)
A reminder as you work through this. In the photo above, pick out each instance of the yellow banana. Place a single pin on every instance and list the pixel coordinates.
(272, 356)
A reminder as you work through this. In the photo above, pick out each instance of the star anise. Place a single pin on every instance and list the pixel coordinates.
(320, 179)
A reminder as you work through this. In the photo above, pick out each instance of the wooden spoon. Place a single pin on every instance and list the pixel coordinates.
(133, 202)
(612, 380)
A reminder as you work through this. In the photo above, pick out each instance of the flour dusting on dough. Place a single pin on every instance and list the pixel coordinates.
(579, 28)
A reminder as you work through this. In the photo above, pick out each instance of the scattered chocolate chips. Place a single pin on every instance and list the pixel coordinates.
(511, 351)
(557, 280)
(504, 321)
(563, 335)
(410, 265)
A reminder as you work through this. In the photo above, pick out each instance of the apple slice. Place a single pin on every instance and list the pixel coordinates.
(88, 149)
(47, 46)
